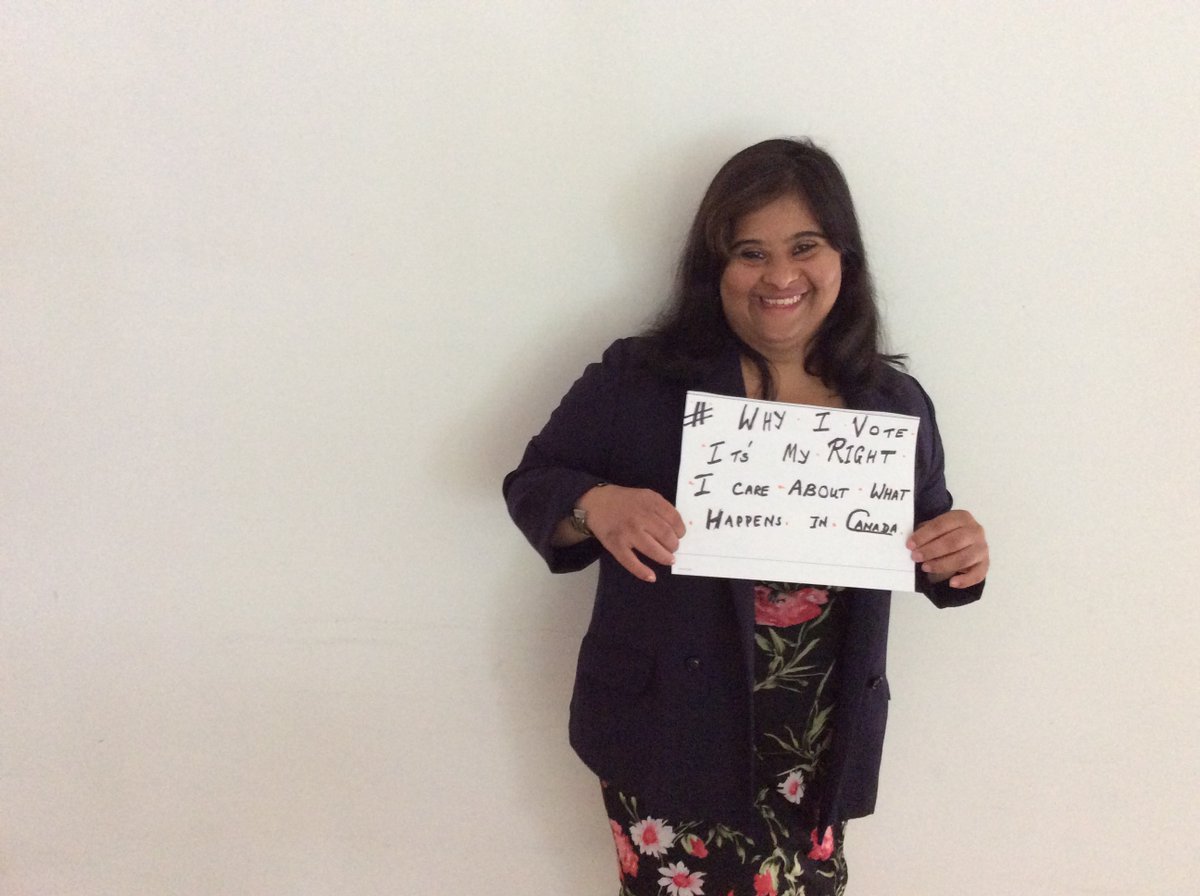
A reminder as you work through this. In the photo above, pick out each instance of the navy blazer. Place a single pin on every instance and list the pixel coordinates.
(662, 705)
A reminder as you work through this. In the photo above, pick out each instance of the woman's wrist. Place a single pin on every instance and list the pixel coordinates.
(579, 515)
(574, 529)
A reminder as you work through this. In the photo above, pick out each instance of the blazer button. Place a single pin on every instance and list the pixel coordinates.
(692, 663)
(875, 682)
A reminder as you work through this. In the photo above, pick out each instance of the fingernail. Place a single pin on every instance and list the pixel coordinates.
(917, 556)
(925, 567)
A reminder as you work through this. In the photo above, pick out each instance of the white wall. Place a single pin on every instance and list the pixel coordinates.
(284, 290)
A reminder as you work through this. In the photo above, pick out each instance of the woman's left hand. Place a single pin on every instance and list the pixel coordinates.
(951, 546)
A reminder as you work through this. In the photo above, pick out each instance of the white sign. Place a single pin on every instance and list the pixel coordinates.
(792, 493)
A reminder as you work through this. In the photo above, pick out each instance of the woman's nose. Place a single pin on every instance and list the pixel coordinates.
(780, 274)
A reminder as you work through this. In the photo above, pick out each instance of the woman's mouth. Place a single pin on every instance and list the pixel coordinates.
(781, 301)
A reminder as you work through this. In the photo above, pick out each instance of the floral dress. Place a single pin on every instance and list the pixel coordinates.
(797, 632)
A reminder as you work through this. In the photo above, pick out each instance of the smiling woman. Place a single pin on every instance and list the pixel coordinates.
(781, 281)
(735, 726)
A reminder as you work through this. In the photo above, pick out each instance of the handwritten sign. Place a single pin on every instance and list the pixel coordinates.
(793, 493)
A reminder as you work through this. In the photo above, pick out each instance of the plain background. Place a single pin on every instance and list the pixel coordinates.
(286, 288)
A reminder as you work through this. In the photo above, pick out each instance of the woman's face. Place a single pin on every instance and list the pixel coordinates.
(781, 279)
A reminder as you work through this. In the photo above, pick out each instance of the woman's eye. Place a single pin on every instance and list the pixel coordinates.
(751, 254)
(804, 248)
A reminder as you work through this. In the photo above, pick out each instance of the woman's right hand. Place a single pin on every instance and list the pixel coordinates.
(632, 521)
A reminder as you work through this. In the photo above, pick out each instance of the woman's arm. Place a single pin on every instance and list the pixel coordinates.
(565, 462)
(949, 546)
(627, 522)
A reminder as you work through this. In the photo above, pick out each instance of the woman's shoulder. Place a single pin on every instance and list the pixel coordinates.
(628, 363)
(628, 351)
(648, 355)
(900, 392)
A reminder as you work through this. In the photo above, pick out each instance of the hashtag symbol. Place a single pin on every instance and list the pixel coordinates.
(699, 415)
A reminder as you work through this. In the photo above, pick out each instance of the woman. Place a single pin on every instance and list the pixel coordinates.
(735, 726)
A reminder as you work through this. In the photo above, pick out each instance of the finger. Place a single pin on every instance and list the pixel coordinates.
(668, 513)
(938, 526)
(971, 576)
(677, 527)
(651, 535)
(662, 523)
(624, 546)
(628, 559)
(662, 533)
(926, 532)
(946, 544)
(675, 521)
(650, 548)
(953, 564)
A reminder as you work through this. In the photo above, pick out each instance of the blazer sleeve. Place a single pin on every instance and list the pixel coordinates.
(932, 499)
(569, 456)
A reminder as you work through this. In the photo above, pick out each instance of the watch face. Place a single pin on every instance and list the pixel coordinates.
(579, 521)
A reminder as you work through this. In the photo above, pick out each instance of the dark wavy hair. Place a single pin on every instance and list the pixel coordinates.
(845, 351)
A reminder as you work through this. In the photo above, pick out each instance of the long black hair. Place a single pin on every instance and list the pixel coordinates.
(844, 352)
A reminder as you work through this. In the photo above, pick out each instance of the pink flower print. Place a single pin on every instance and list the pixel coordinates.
(626, 857)
(653, 836)
(824, 849)
(764, 885)
(681, 882)
(792, 787)
(784, 608)
(696, 846)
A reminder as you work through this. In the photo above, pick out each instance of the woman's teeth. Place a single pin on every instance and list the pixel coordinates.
(779, 303)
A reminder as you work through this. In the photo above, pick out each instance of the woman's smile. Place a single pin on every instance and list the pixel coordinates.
(782, 301)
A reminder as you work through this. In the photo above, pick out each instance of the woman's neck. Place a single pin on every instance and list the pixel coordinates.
(793, 384)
